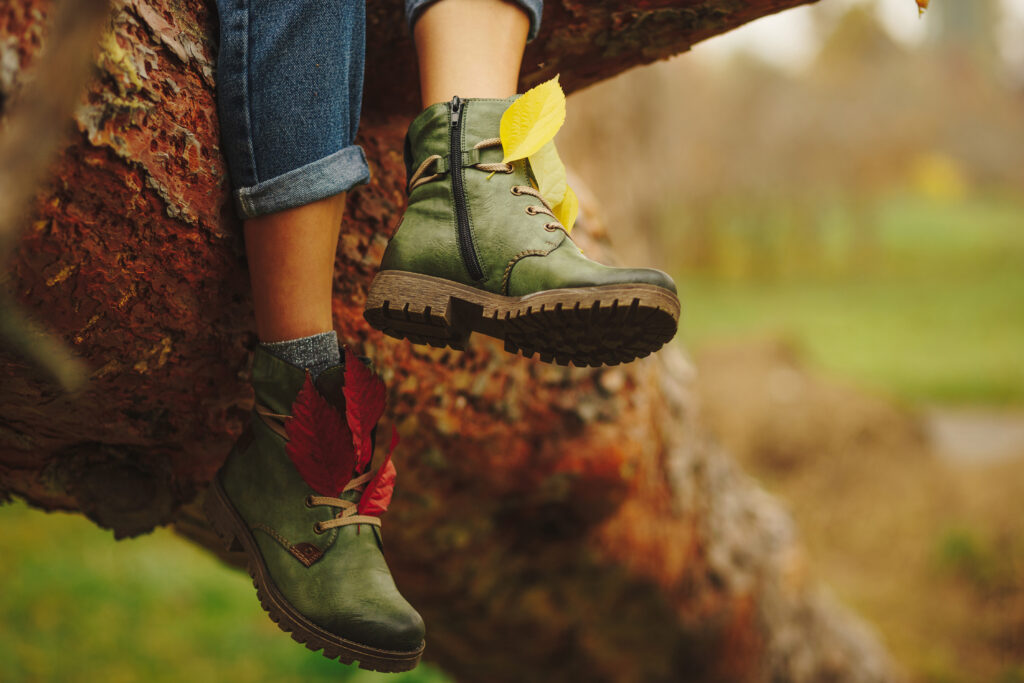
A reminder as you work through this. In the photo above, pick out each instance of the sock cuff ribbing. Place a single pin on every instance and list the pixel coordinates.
(315, 353)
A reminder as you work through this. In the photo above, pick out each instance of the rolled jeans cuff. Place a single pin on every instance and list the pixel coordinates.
(317, 180)
(533, 8)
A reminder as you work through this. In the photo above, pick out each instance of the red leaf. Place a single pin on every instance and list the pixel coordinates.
(319, 442)
(364, 404)
(377, 496)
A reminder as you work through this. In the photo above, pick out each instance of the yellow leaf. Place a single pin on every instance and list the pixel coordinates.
(567, 210)
(532, 120)
(922, 5)
(549, 171)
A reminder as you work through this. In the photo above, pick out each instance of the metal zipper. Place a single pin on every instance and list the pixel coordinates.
(469, 256)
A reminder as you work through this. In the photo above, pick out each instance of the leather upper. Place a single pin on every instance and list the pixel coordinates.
(348, 590)
(518, 255)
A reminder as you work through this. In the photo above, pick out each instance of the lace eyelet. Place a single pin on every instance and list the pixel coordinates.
(309, 501)
(532, 210)
(515, 190)
(552, 227)
(317, 529)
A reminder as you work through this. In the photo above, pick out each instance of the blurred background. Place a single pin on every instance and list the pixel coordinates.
(839, 192)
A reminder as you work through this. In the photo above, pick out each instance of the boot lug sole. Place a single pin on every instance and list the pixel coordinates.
(585, 326)
(234, 532)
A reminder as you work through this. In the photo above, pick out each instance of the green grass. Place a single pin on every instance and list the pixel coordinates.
(77, 606)
(929, 306)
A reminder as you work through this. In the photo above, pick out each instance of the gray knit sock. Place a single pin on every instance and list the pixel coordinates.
(315, 353)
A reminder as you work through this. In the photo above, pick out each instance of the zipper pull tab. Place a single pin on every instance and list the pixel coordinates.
(456, 110)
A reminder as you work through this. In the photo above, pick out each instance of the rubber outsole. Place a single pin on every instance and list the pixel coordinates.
(236, 536)
(585, 326)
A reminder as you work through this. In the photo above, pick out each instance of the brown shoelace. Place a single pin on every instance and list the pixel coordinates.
(420, 177)
(349, 513)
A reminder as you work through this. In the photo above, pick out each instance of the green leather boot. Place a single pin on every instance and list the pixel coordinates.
(478, 250)
(319, 577)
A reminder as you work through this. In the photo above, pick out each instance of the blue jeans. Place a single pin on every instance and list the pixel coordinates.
(289, 91)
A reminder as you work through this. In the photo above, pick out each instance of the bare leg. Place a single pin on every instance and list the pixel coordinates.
(291, 265)
(470, 48)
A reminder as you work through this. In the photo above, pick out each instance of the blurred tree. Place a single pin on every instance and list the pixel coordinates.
(967, 27)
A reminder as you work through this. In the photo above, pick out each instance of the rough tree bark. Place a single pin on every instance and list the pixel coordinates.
(551, 523)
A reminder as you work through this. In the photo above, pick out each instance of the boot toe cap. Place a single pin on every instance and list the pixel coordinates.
(394, 626)
(567, 267)
(349, 593)
(633, 276)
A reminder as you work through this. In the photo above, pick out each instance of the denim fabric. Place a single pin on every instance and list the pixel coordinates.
(534, 8)
(289, 91)
(290, 85)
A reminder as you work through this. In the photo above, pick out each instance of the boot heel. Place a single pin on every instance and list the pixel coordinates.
(402, 307)
(220, 518)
